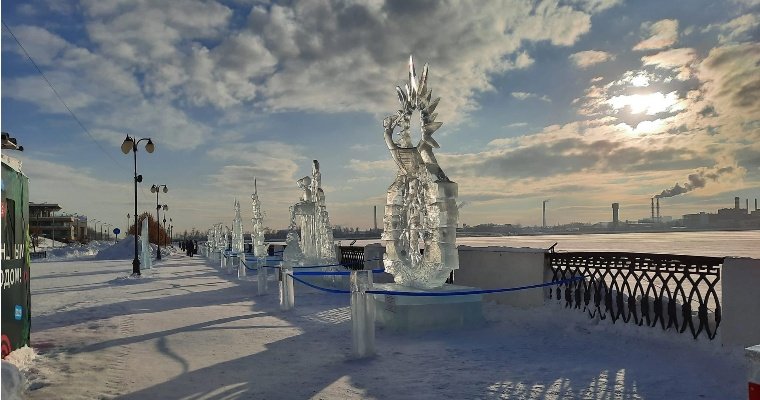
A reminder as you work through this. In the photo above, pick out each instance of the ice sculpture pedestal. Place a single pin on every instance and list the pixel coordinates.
(401, 313)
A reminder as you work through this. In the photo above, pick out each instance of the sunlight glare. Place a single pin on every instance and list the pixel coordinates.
(650, 104)
(649, 126)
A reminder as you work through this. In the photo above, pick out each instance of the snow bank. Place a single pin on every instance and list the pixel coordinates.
(17, 364)
(74, 251)
(13, 382)
(122, 250)
(45, 243)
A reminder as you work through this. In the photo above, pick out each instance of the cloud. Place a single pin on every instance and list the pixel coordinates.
(104, 95)
(516, 125)
(739, 29)
(573, 148)
(83, 191)
(595, 6)
(678, 60)
(260, 159)
(662, 34)
(336, 56)
(585, 59)
(526, 96)
(328, 56)
(732, 80)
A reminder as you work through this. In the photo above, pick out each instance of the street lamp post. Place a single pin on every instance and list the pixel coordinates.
(156, 189)
(128, 145)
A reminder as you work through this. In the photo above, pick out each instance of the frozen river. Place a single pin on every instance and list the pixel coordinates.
(713, 243)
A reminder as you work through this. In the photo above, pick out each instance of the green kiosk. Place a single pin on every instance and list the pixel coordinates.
(16, 295)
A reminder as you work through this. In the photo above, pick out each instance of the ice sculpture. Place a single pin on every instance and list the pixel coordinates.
(237, 231)
(146, 251)
(257, 235)
(217, 238)
(293, 255)
(310, 216)
(421, 210)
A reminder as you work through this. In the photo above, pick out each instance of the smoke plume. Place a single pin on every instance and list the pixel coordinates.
(696, 180)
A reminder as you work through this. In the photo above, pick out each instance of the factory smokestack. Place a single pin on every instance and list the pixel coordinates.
(658, 209)
(375, 217)
(736, 202)
(615, 215)
(755, 204)
(652, 209)
(544, 212)
(746, 205)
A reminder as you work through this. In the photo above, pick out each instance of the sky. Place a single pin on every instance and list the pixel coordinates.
(582, 102)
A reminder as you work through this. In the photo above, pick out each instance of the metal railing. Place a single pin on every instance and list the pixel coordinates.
(675, 291)
(37, 254)
(352, 257)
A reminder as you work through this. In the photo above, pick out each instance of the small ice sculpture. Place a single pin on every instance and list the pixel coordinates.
(237, 231)
(292, 255)
(146, 251)
(226, 238)
(257, 235)
(310, 216)
(421, 207)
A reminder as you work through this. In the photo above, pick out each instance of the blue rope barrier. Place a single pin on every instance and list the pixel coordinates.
(328, 290)
(470, 292)
(321, 273)
(429, 294)
(328, 273)
(247, 267)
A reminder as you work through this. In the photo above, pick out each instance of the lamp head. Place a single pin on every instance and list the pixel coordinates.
(149, 147)
(166, 189)
(153, 188)
(127, 145)
(165, 207)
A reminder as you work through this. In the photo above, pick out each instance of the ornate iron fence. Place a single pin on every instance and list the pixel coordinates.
(673, 290)
(352, 257)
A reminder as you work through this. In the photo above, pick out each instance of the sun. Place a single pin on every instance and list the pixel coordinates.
(650, 104)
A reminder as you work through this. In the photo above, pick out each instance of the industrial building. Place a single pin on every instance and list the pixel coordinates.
(726, 218)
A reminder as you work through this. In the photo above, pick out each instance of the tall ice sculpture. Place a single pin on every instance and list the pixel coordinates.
(421, 210)
(146, 254)
(237, 231)
(257, 235)
(419, 226)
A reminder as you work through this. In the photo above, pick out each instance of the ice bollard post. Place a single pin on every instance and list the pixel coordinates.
(241, 266)
(287, 296)
(362, 315)
(263, 275)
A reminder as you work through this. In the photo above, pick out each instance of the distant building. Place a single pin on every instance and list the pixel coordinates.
(701, 220)
(62, 228)
(726, 218)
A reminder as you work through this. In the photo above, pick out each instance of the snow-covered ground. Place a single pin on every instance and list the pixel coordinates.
(189, 331)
